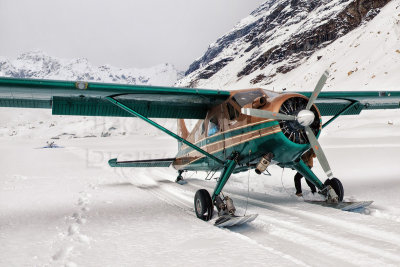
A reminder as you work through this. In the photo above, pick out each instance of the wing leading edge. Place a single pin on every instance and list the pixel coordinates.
(353, 102)
(89, 99)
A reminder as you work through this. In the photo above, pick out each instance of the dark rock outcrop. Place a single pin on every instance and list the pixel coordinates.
(268, 37)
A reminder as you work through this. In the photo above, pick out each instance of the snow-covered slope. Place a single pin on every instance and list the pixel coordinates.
(288, 44)
(39, 65)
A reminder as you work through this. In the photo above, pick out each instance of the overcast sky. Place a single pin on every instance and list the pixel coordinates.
(122, 33)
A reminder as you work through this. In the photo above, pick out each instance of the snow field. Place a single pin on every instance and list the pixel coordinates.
(66, 206)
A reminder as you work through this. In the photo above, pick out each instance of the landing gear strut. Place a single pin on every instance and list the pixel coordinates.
(204, 207)
(225, 206)
(332, 189)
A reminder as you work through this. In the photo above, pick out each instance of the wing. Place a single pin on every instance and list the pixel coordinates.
(88, 98)
(352, 103)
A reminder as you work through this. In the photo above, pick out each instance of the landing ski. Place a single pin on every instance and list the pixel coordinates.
(353, 206)
(181, 182)
(233, 220)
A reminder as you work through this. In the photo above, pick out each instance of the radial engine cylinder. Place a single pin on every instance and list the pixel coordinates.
(264, 163)
(259, 102)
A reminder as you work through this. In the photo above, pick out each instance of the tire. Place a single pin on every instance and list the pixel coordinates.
(337, 186)
(203, 205)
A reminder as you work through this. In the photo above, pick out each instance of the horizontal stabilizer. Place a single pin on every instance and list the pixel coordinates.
(141, 163)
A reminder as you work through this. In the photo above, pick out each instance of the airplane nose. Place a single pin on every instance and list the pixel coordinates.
(305, 117)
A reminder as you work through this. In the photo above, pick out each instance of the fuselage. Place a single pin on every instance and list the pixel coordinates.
(226, 130)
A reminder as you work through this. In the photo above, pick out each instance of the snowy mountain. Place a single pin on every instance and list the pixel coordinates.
(280, 37)
(40, 123)
(42, 66)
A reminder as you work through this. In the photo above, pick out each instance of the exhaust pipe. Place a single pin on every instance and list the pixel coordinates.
(259, 102)
(264, 163)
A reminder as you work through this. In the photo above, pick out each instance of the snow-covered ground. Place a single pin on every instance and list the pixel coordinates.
(66, 207)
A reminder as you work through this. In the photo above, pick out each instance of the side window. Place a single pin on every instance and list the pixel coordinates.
(232, 112)
(213, 126)
(200, 131)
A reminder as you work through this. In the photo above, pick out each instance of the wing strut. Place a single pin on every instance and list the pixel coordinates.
(353, 104)
(131, 111)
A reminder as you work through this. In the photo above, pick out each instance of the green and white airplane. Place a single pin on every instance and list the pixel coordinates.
(237, 130)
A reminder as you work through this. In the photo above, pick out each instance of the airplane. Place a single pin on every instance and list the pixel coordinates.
(236, 131)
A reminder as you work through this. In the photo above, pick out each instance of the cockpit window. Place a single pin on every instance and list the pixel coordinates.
(232, 112)
(244, 98)
(213, 126)
(270, 94)
(199, 132)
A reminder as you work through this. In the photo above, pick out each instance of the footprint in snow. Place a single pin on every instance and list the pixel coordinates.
(77, 217)
(71, 264)
(73, 229)
(83, 201)
(63, 253)
(84, 239)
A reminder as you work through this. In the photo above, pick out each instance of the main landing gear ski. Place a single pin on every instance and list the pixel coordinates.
(204, 203)
(204, 209)
(352, 206)
(334, 198)
(226, 213)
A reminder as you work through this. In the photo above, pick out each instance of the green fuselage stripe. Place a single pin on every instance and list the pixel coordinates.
(226, 135)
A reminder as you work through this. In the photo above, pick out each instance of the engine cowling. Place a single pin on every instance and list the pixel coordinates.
(293, 130)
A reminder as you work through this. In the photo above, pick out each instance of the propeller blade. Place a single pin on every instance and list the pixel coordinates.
(267, 114)
(319, 152)
(317, 89)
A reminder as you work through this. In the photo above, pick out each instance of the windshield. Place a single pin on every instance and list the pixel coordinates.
(244, 98)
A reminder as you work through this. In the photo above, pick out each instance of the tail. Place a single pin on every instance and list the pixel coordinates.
(182, 131)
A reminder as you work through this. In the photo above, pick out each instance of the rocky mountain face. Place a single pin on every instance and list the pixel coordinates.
(276, 38)
(41, 66)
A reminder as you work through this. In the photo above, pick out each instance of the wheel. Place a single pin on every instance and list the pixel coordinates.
(337, 186)
(203, 205)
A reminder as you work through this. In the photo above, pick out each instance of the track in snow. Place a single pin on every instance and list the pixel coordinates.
(304, 233)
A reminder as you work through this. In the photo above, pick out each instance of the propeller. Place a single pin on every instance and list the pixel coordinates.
(319, 152)
(305, 118)
(267, 114)
(317, 89)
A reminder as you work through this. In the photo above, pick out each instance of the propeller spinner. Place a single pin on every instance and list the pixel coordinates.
(304, 118)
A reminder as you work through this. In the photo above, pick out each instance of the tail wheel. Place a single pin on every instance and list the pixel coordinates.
(203, 205)
(337, 186)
